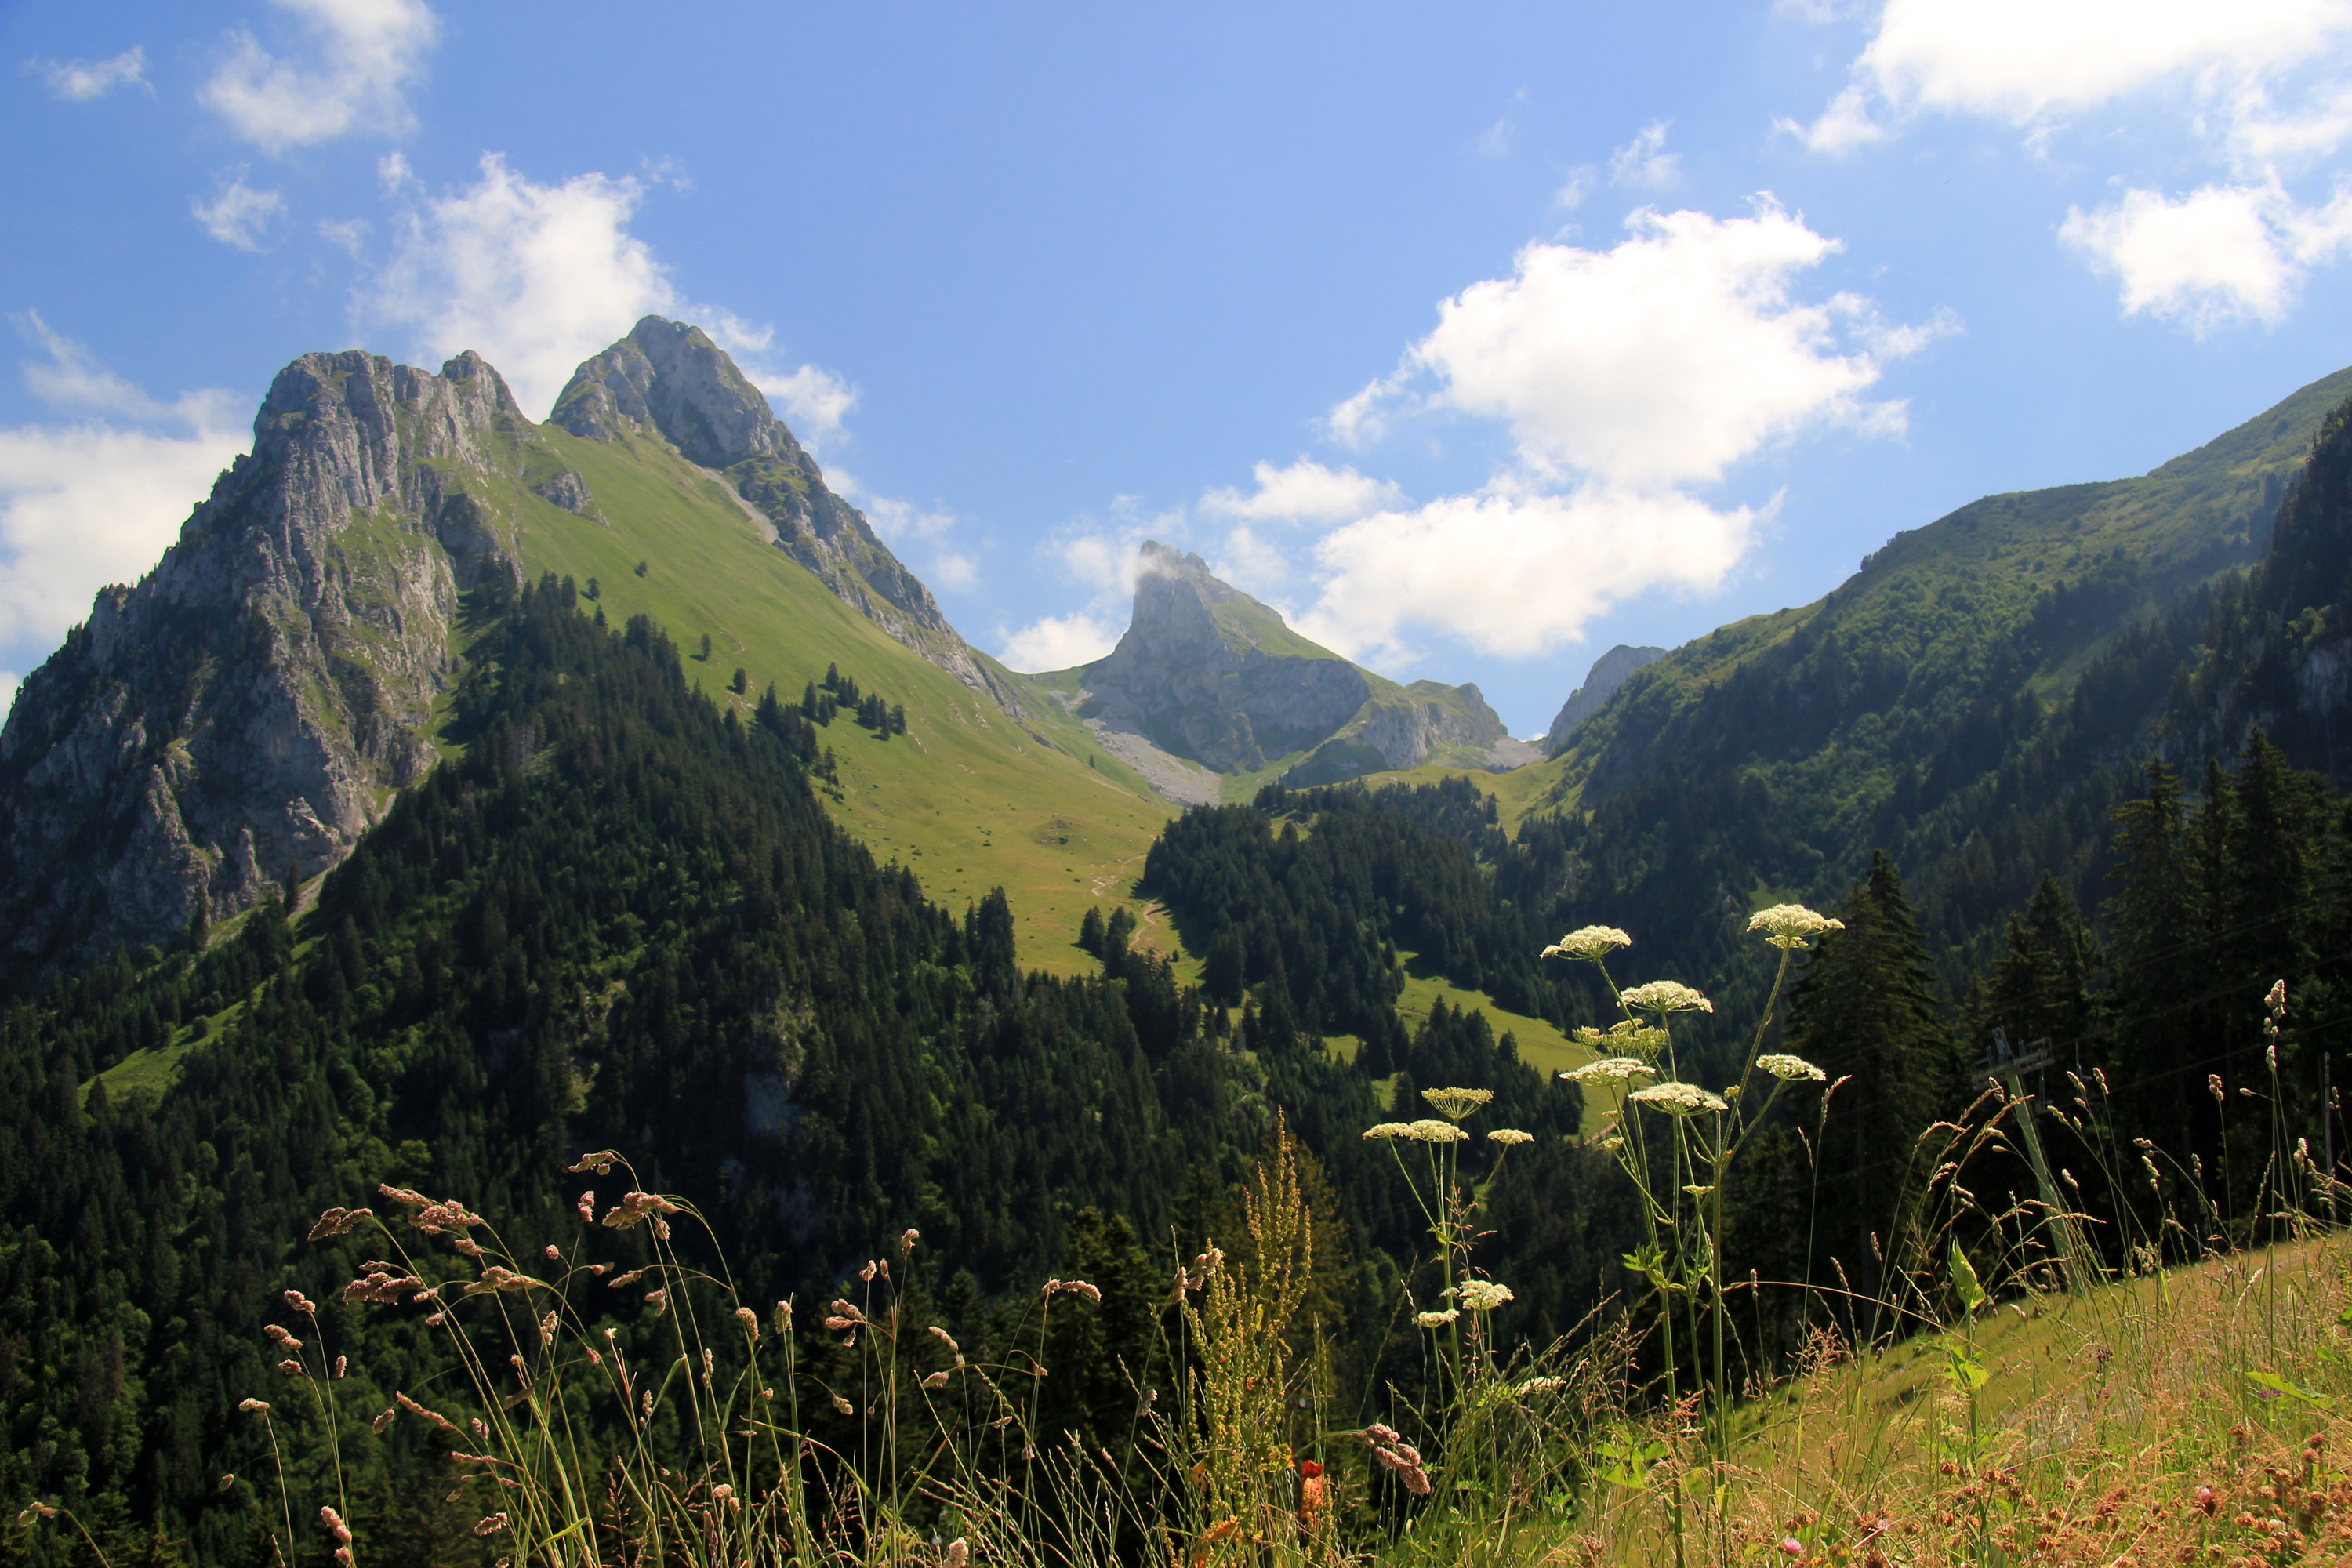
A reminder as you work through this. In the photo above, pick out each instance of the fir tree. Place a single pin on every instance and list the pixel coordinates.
(1865, 1012)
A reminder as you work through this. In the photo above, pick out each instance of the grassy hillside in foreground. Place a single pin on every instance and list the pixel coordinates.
(968, 798)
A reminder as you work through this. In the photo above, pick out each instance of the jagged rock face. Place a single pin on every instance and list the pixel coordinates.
(245, 707)
(1601, 683)
(1199, 687)
(669, 380)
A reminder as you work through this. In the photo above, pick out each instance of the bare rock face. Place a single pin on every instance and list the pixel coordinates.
(1209, 674)
(1191, 675)
(1601, 683)
(246, 707)
(668, 380)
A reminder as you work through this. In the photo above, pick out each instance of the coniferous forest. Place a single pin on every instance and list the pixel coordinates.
(618, 918)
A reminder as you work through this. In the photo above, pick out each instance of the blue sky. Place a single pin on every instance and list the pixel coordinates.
(1476, 338)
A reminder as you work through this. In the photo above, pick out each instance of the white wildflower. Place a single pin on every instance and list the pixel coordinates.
(1788, 1068)
(1435, 1131)
(1484, 1295)
(1509, 1135)
(1664, 997)
(1630, 1037)
(1389, 1130)
(1786, 926)
(1610, 1069)
(1435, 1320)
(1456, 1103)
(1592, 941)
(1676, 1099)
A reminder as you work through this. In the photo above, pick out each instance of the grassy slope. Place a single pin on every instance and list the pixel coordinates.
(2179, 524)
(967, 798)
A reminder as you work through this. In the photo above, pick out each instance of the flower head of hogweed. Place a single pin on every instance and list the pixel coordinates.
(1589, 942)
(1389, 1130)
(1435, 1320)
(1786, 926)
(1676, 1099)
(1664, 997)
(1432, 1130)
(1626, 1037)
(1456, 1103)
(1484, 1295)
(1790, 1069)
(1509, 1137)
(1610, 1069)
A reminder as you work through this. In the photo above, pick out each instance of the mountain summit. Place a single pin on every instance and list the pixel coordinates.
(669, 380)
(1207, 677)
(247, 709)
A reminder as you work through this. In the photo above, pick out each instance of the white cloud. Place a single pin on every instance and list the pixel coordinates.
(1661, 361)
(1099, 555)
(1645, 162)
(2220, 254)
(347, 235)
(1305, 491)
(1058, 642)
(955, 571)
(363, 56)
(814, 402)
(2263, 88)
(533, 278)
(238, 215)
(2028, 60)
(536, 278)
(7, 691)
(1514, 570)
(1629, 377)
(78, 81)
(1579, 185)
(97, 502)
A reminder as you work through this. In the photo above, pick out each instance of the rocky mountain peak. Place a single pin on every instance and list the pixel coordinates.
(667, 379)
(244, 708)
(1207, 676)
(670, 377)
(1608, 673)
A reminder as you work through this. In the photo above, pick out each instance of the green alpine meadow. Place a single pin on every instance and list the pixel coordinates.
(555, 1012)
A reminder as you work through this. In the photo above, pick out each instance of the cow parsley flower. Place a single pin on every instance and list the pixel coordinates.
(1786, 926)
(1484, 1295)
(1592, 942)
(1509, 1135)
(1788, 1068)
(1677, 1099)
(1432, 1130)
(1456, 1103)
(1664, 997)
(1389, 1130)
(1435, 1320)
(1627, 1037)
(1610, 1069)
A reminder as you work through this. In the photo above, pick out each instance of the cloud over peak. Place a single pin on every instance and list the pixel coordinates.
(361, 57)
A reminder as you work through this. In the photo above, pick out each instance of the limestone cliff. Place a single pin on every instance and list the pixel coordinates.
(1601, 683)
(669, 380)
(249, 704)
(1208, 674)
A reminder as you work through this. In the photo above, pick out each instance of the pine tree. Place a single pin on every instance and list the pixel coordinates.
(1091, 931)
(2042, 986)
(1865, 1012)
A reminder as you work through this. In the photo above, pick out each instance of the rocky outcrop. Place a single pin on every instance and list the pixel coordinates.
(246, 707)
(1206, 673)
(1601, 683)
(668, 380)
(1191, 676)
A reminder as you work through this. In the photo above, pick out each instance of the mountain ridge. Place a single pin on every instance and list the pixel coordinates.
(1207, 677)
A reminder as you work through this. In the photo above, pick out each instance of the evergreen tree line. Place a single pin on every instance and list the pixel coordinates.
(621, 919)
